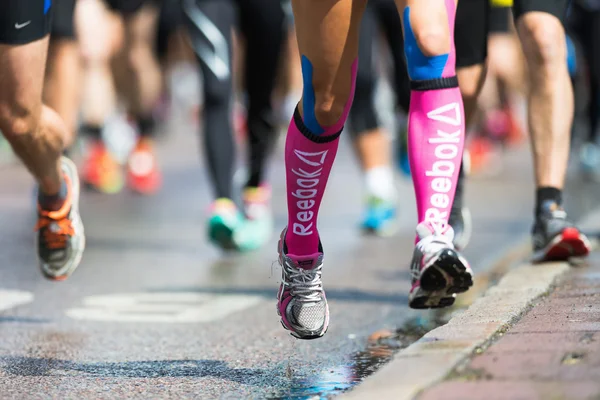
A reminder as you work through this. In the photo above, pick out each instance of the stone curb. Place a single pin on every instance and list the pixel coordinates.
(431, 358)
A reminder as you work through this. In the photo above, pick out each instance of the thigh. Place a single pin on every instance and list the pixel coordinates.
(24, 21)
(21, 78)
(209, 24)
(471, 32)
(557, 8)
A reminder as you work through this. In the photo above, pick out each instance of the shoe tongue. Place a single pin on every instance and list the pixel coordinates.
(425, 229)
(306, 262)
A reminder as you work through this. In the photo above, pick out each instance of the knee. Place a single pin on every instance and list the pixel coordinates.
(544, 42)
(17, 121)
(433, 40)
(330, 106)
(470, 80)
(216, 94)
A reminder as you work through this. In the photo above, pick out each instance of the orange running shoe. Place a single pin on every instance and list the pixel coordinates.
(143, 175)
(60, 239)
(101, 171)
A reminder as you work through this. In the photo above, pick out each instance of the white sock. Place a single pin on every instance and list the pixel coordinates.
(379, 182)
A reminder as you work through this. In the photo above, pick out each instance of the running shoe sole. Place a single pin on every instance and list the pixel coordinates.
(78, 241)
(570, 243)
(445, 276)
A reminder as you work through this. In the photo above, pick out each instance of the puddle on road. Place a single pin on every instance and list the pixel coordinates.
(380, 348)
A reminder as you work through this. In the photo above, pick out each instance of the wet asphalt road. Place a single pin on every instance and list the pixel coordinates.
(155, 311)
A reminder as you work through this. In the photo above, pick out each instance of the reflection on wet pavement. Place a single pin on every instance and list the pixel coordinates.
(380, 348)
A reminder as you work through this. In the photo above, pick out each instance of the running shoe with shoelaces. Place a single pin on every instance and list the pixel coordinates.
(101, 171)
(301, 301)
(555, 238)
(438, 271)
(60, 238)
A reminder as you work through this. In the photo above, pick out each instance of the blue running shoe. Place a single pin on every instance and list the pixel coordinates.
(380, 217)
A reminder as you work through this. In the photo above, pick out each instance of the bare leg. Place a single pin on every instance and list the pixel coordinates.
(35, 132)
(551, 96)
(327, 32)
(99, 34)
(61, 91)
(144, 74)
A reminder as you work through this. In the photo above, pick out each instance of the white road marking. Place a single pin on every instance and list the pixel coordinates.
(13, 298)
(161, 307)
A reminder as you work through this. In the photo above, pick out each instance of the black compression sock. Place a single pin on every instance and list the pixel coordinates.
(53, 202)
(147, 126)
(92, 131)
(544, 194)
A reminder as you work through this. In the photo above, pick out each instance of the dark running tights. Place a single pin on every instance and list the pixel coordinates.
(261, 23)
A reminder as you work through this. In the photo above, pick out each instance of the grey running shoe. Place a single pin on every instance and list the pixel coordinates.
(60, 238)
(302, 304)
(555, 238)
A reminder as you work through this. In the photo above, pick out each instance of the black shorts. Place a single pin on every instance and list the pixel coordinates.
(500, 19)
(558, 8)
(170, 19)
(63, 26)
(471, 32)
(127, 7)
(24, 21)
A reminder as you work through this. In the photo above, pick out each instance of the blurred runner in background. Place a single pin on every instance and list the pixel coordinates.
(123, 31)
(261, 24)
(583, 24)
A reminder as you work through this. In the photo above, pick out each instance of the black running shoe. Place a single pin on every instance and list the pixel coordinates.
(555, 238)
(60, 237)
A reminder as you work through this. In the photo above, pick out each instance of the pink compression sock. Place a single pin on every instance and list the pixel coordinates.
(309, 155)
(436, 127)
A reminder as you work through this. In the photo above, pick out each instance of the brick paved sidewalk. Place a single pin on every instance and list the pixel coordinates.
(553, 352)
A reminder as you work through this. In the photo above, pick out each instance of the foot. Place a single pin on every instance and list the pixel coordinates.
(223, 222)
(257, 228)
(461, 222)
(143, 175)
(438, 271)
(555, 238)
(380, 217)
(60, 238)
(301, 301)
(101, 171)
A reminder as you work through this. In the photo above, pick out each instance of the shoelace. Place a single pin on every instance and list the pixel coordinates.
(56, 232)
(305, 284)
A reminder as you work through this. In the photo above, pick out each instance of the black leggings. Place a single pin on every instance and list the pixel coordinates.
(262, 23)
(379, 16)
(584, 25)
